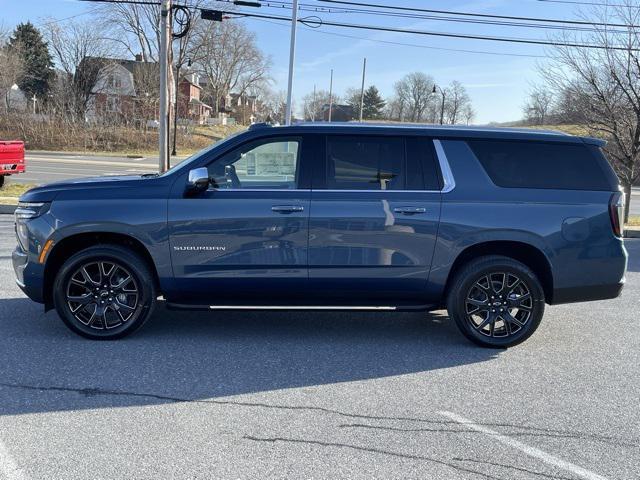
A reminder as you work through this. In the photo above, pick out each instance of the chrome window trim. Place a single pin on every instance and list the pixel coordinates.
(258, 190)
(375, 191)
(443, 161)
(447, 174)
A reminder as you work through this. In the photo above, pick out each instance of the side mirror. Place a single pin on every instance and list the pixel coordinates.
(198, 180)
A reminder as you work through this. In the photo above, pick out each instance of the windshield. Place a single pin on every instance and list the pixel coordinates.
(186, 162)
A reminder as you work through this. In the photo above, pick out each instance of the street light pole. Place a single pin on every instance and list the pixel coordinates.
(435, 88)
(292, 57)
(165, 38)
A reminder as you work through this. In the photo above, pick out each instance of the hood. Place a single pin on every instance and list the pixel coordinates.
(48, 192)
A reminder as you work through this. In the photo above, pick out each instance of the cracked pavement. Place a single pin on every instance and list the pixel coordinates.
(236, 395)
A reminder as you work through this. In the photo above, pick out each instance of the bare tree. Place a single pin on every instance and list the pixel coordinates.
(11, 68)
(229, 59)
(467, 114)
(272, 105)
(73, 44)
(538, 105)
(312, 104)
(456, 101)
(604, 84)
(134, 27)
(413, 99)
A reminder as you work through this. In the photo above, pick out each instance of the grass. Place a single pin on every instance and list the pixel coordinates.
(11, 189)
(634, 221)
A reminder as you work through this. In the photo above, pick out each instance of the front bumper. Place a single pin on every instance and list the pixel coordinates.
(29, 275)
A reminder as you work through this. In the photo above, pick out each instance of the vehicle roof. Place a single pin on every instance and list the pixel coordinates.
(446, 131)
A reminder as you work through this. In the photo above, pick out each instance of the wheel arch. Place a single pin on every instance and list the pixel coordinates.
(67, 246)
(525, 253)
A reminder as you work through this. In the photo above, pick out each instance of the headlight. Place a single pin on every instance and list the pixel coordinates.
(29, 210)
(25, 212)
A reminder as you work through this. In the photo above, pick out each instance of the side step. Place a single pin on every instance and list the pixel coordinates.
(361, 308)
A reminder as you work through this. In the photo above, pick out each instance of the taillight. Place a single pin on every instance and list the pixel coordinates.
(616, 212)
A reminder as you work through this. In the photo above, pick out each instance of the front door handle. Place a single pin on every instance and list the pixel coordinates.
(287, 208)
(410, 210)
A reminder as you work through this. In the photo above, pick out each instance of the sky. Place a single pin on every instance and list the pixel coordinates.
(497, 83)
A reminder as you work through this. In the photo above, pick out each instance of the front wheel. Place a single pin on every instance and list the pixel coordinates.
(496, 301)
(104, 292)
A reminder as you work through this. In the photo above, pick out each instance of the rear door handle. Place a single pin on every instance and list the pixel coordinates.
(287, 208)
(410, 210)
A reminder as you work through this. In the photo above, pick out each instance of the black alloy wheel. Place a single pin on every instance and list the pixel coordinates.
(104, 292)
(496, 301)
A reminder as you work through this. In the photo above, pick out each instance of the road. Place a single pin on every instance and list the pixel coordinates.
(319, 395)
(44, 167)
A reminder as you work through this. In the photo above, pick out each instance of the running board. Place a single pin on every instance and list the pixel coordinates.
(363, 308)
(295, 307)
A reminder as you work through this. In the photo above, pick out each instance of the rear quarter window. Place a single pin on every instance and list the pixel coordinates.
(529, 164)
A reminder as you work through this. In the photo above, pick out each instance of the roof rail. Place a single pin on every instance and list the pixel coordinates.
(256, 126)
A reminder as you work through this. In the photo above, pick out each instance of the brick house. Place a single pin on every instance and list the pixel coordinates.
(120, 90)
(190, 106)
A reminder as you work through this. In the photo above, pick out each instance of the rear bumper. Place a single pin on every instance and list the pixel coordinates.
(11, 168)
(28, 275)
(587, 293)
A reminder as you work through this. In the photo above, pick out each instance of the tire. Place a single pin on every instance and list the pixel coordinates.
(490, 312)
(115, 306)
(1, 180)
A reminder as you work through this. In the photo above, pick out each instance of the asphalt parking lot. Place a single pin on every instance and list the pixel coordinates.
(319, 395)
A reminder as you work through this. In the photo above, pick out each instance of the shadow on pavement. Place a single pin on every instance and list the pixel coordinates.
(185, 356)
(633, 248)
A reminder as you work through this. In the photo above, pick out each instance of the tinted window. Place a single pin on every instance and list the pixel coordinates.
(266, 164)
(540, 165)
(422, 171)
(365, 163)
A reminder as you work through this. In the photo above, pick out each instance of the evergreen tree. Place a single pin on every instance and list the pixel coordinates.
(38, 72)
(373, 104)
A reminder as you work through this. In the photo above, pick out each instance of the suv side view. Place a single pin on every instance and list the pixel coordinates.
(491, 224)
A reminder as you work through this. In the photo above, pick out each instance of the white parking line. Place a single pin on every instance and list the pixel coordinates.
(531, 451)
(9, 469)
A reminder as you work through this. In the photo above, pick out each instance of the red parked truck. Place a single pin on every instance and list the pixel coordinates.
(11, 158)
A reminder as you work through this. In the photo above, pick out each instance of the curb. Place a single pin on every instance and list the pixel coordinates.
(631, 232)
(7, 209)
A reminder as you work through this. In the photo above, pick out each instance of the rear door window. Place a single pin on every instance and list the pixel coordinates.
(365, 163)
(528, 164)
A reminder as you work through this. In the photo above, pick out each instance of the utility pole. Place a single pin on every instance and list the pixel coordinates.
(314, 106)
(331, 95)
(364, 72)
(34, 99)
(292, 58)
(165, 43)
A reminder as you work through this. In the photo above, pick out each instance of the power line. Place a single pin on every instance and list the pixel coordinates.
(58, 20)
(439, 34)
(595, 4)
(483, 15)
(308, 7)
(403, 44)
(320, 22)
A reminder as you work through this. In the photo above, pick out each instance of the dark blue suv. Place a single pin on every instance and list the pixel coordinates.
(490, 224)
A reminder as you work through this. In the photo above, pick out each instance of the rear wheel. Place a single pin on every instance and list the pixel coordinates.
(104, 292)
(496, 301)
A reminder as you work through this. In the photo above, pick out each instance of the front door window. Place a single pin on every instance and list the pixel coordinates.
(267, 164)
